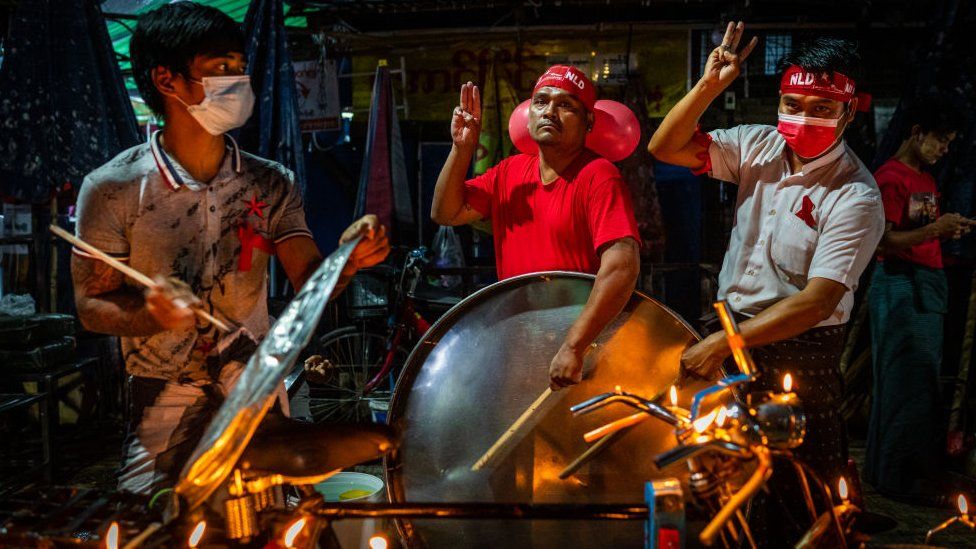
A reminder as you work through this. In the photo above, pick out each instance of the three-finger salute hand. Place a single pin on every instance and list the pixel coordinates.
(466, 121)
(724, 63)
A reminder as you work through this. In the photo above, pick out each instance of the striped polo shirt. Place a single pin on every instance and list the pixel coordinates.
(143, 207)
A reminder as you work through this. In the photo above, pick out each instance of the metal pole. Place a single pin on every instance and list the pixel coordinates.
(420, 189)
(487, 511)
(956, 415)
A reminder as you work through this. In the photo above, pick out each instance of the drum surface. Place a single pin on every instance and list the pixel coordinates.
(478, 369)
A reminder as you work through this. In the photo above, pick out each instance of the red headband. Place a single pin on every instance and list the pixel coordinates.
(836, 86)
(571, 80)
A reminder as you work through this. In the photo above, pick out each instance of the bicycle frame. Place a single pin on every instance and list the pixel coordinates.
(403, 318)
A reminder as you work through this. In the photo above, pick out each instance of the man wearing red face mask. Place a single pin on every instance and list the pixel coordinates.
(808, 218)
(563, 209)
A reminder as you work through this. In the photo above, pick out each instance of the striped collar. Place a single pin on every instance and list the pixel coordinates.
(174, 174)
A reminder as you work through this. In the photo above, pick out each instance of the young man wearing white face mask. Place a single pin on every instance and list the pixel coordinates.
(808, 219)
(190, 206)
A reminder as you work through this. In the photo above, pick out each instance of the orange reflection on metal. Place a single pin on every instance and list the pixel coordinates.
(216, 464)
(735, 340)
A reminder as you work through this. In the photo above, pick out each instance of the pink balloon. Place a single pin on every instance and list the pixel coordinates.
(616, 131)
(518, 129)
(615, 134)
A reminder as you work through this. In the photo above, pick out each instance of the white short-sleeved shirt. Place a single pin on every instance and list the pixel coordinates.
(823, 221)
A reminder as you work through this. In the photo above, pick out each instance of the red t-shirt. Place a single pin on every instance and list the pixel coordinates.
(559, 226)
(911, 200)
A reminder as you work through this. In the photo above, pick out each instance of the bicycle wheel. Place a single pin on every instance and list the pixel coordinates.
(356, 355)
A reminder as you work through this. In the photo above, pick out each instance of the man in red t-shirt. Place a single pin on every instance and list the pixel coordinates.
(907, 302)
(563, 209)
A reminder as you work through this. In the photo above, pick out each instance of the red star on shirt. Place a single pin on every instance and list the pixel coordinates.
(255, 206)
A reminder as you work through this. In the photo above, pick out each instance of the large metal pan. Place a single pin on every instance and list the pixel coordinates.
(477, 370)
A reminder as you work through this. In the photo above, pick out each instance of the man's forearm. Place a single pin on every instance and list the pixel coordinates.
(793, 315)
(349, 270)
(119, 313)
(896, 241)
(105, 304)
(678, 127)
(615, 282)
(448, 198)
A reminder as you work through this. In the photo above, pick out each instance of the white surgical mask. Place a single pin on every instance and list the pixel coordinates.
(227, 104)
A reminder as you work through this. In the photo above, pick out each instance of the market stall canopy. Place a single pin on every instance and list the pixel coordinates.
(64, 109)
(272, 131)
(383, 187)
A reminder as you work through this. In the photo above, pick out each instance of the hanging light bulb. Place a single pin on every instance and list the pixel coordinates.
(702, 423)
(788, 383)
(963, 505)
(723, 413)
(197, 534)
(378, 542)
(293, 531)
(842, 489)
(112, 536)
(673, 395)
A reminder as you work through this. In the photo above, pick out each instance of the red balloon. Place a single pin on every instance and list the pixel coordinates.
(615, 134)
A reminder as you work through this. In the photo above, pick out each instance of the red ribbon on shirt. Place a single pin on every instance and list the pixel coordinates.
(806, 213)
(250, 239)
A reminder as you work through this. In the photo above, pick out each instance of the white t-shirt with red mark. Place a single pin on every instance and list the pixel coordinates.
(824, 221)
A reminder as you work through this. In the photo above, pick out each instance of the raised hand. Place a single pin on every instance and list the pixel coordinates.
(373, 248)
(724, 63)
(466, 122)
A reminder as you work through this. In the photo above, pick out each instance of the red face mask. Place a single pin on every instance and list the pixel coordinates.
(809, 137)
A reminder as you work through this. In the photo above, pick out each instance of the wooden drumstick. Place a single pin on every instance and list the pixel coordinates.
(128, 271)
(509, 437)
(615, 426)
(590, 452)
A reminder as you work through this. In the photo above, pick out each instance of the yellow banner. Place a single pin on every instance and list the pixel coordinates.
(498, 101)
(434, 74)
